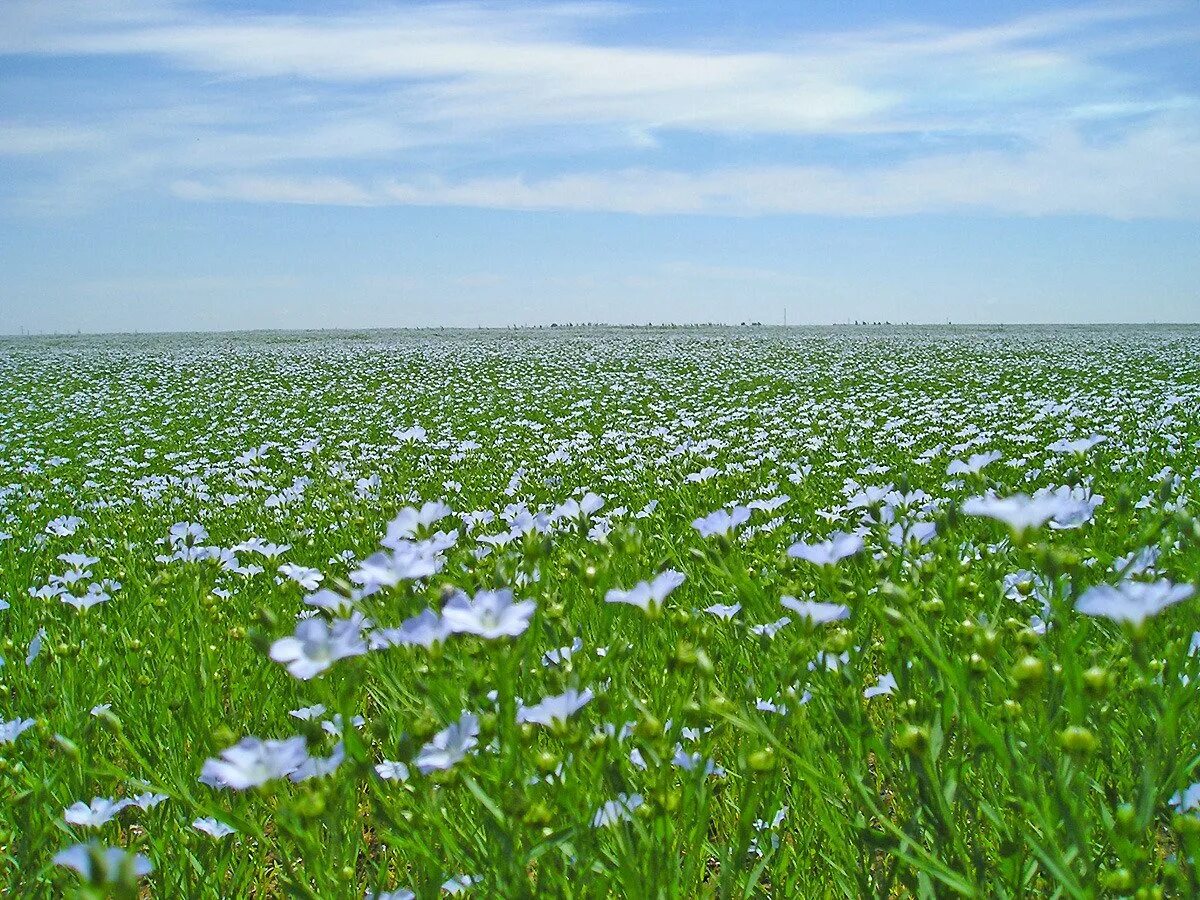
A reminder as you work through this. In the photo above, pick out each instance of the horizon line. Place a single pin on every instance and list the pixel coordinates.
(566, 326)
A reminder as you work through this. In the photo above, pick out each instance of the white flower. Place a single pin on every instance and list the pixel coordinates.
(105, 865)
(1076, 506)
(317, 645)
(94, 596)
(79, 561)
(188, 533)
(213, 828)
(99, 812)
(724, 611)
(458, 884)
(413, 434)
(336, 725)
(562, 654)
(1132, 601)
(816, 612)
(252, 762)
(644, 593)
(578, 509)
(491, 614)
(449, 746)
(556, 708)
(828, 552)
(63, 526)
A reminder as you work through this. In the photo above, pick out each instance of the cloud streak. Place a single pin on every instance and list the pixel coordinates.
(1154, 172)
(506, 106)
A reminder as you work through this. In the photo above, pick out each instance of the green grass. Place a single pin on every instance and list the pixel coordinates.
(1008, 761)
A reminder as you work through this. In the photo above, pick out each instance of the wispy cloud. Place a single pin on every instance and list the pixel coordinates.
(1154, 172)
(506, 107)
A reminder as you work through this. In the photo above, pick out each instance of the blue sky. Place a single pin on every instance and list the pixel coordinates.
(180, 165)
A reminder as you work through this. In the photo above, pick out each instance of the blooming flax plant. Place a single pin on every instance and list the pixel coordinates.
(601, 613)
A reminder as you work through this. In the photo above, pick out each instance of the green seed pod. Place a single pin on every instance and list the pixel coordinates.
(913, 739)
(1120, 880)
(1187, 824)
(1126, 817)
(1028, 669)
(546, 762)
(762, 760)
(539, 815)
(1096, 682)
(1077, 740)
(648, 727)
(988, 642)
(310, 806)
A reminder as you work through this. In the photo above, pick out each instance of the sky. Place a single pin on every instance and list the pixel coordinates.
(179, 165)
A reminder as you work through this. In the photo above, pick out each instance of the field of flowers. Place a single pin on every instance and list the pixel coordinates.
(587, 613)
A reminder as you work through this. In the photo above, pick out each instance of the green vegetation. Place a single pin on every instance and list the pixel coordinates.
(916, 621)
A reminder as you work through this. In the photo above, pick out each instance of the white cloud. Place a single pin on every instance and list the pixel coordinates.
(19, 139)
(1152, 172)
(320, 191)
(387, 104)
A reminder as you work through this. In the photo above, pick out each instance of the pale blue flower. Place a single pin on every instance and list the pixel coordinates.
(816, 612)
(99, 812)
(556, 708)
(839, 546)
(491, 614)
(10, 731)
(645, 593)
(103, 865)
(213, 828)
(721, 521)
(1132, 601)
(252, 762)
(449, 746)
(617, 810)
(317, 645)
